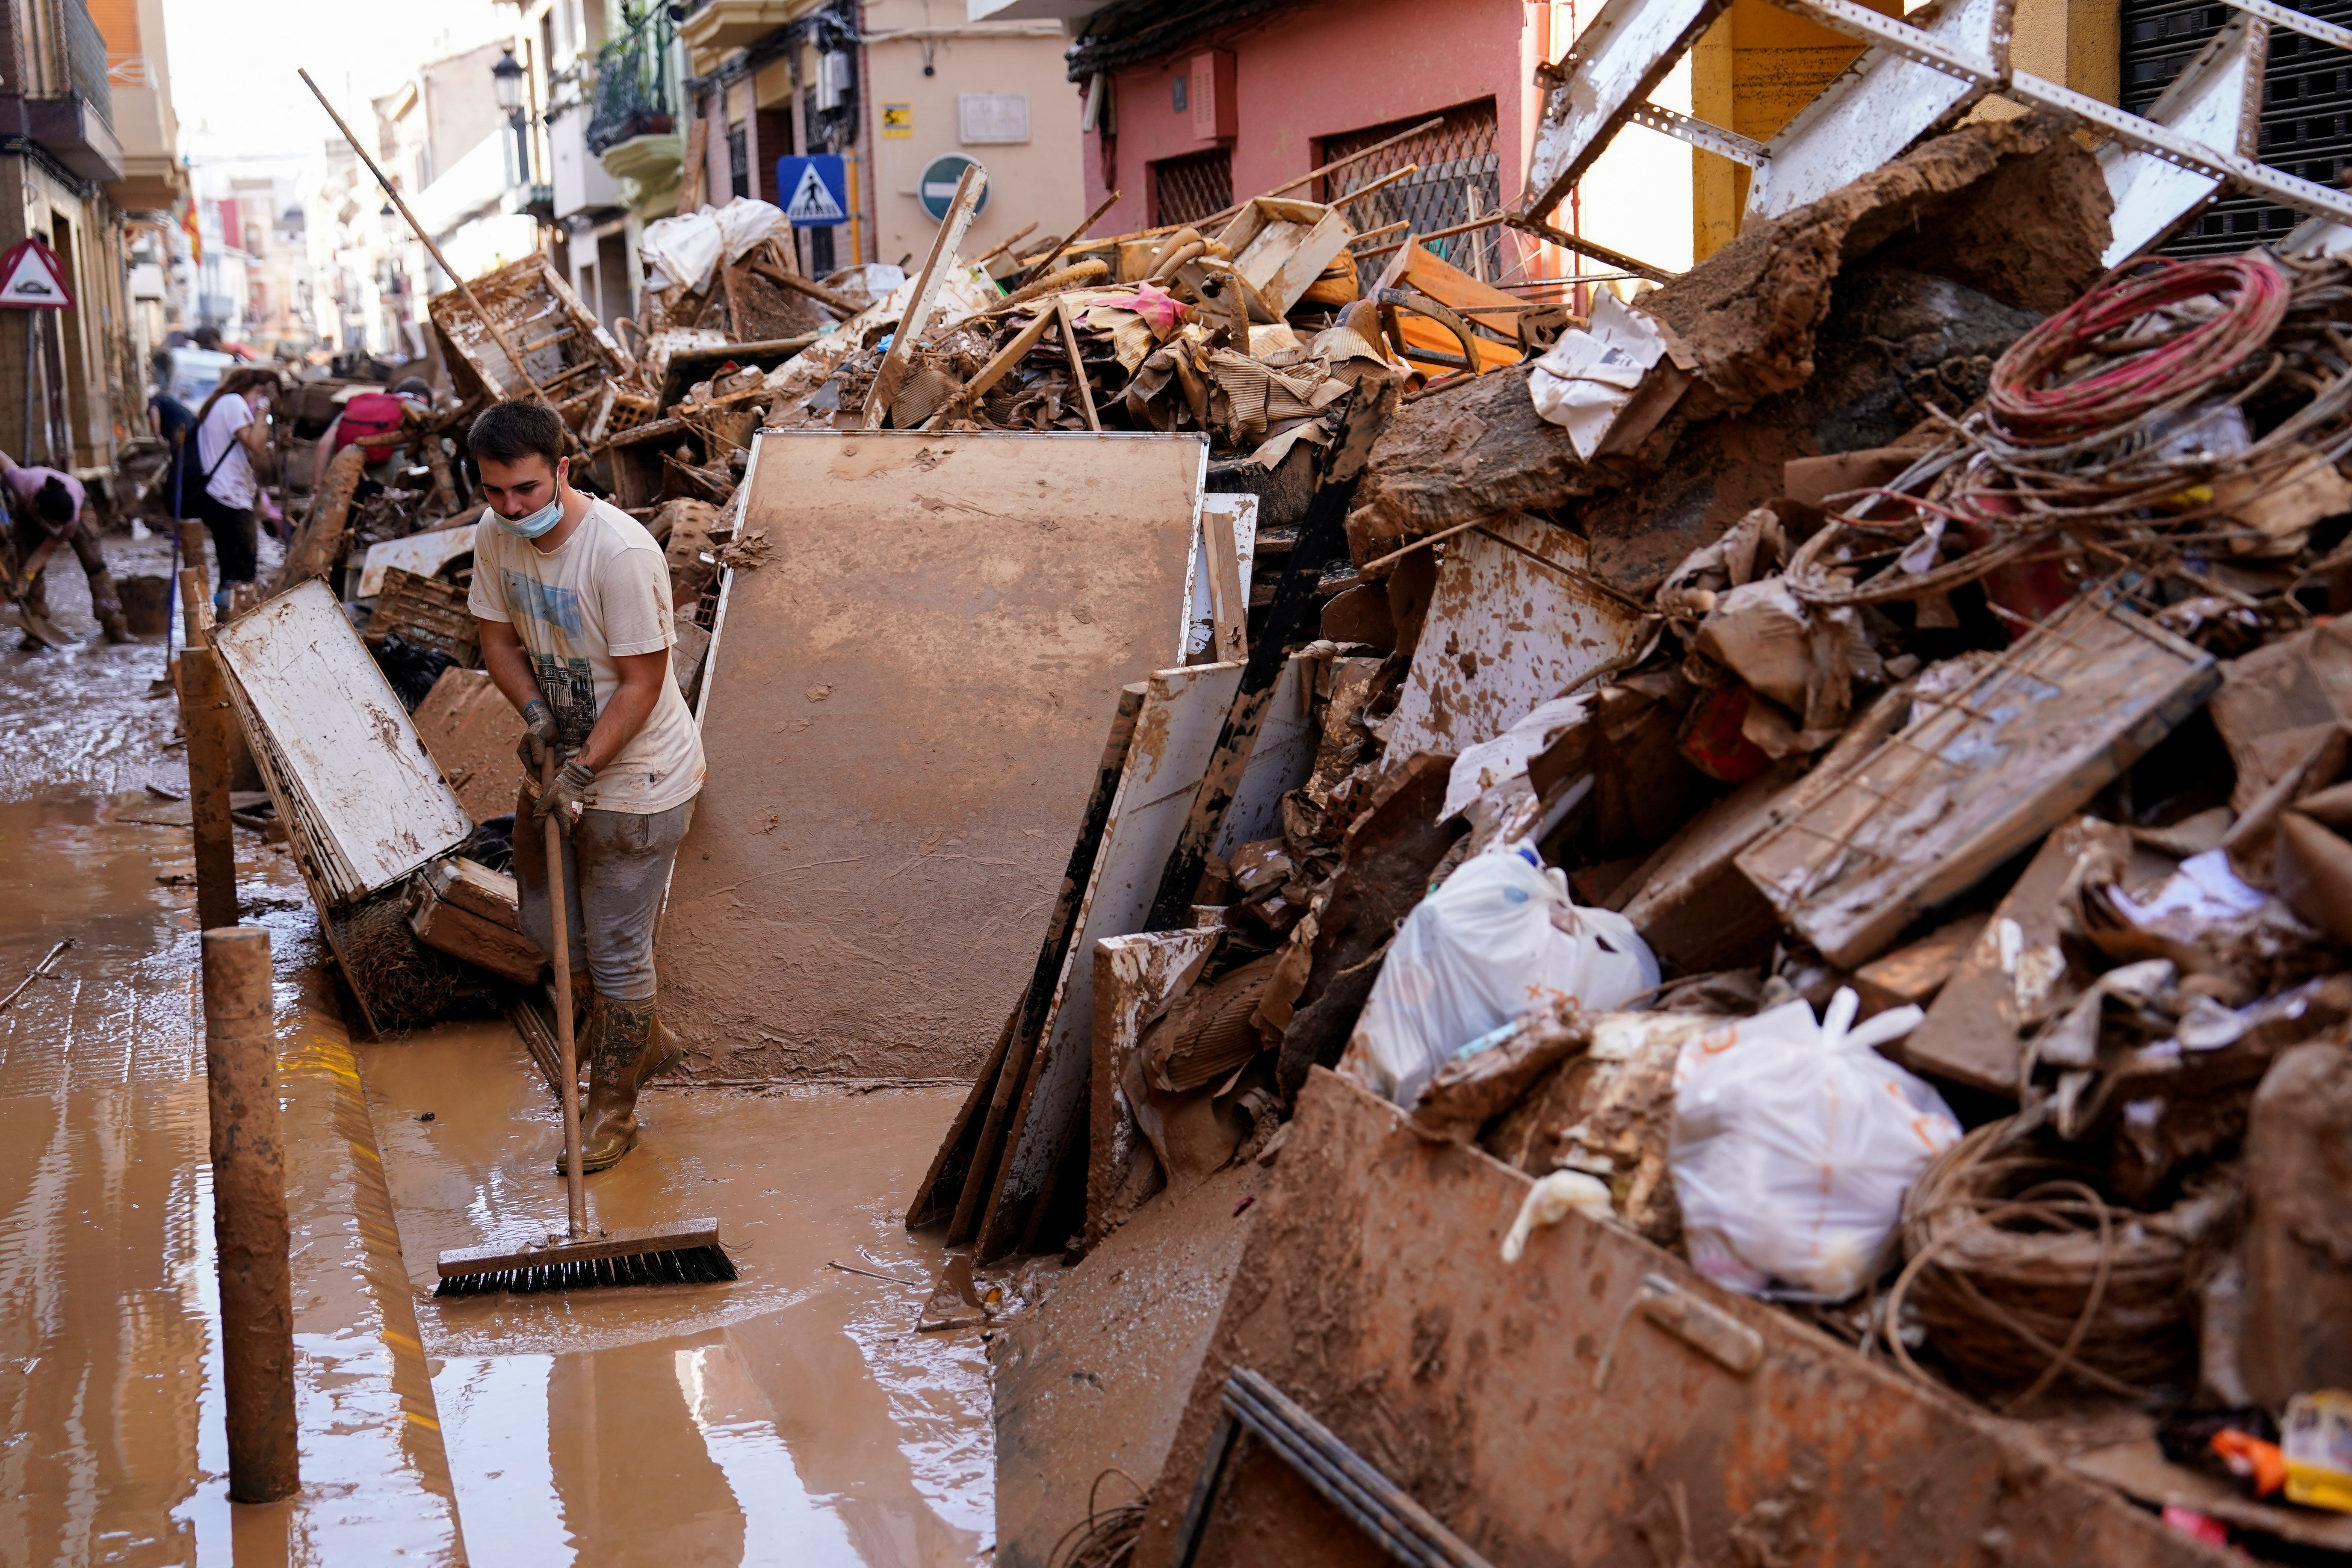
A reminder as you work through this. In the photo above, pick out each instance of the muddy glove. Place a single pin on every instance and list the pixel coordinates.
(572, 781)
(539, 733)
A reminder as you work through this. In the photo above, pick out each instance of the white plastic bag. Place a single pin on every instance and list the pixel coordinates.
(1794, 1145)
(1498, 939)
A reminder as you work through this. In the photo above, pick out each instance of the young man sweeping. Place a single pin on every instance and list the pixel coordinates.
(573, 600)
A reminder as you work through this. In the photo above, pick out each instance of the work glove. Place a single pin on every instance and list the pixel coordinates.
(539, 733)
(572, 781)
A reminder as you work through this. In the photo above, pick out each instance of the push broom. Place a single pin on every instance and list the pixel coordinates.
(685, 1253)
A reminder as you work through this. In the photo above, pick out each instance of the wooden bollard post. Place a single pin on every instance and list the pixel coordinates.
(206, 722)
(249, 1227)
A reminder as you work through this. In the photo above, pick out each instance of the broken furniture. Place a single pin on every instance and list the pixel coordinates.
(471, 912)
(362, 803)
(1979, 775)
(566, 353)
(428, 554)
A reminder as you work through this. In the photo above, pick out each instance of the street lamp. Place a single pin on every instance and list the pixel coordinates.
(507, 77)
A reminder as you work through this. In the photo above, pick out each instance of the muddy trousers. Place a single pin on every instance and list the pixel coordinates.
(28, 536)
(616, 869)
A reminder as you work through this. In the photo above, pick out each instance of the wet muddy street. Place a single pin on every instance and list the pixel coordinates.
(792, 1416)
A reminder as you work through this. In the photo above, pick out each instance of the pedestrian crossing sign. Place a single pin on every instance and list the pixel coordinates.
(815, 190)
(32, 278)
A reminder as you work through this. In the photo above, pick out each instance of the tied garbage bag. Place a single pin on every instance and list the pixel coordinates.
(1500, 938)
(1794, 1145)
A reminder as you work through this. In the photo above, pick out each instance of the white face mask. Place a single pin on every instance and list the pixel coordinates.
(530, 525)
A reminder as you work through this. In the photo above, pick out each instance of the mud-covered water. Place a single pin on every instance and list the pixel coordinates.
(794, 1416)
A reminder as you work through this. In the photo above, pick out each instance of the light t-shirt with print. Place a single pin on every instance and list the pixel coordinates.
(604, 593)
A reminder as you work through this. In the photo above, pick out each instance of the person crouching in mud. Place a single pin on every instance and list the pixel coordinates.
(573, 596)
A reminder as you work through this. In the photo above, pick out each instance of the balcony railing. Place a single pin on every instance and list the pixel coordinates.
(85, 59)
(631, 95)
(64, 55)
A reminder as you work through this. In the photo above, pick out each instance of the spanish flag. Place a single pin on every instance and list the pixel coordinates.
(189, 227)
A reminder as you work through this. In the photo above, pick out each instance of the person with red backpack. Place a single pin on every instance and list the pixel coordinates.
(374, 422)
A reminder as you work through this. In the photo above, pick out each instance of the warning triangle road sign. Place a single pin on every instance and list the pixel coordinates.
(32, 278)
(813, 200)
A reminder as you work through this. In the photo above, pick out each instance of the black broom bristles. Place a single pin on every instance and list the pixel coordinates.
(679, 1266)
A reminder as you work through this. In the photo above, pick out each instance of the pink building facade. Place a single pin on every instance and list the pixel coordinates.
(1237, 108)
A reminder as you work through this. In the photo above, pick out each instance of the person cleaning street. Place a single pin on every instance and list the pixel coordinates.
(573, 596)
(230, 435)
(48, 508)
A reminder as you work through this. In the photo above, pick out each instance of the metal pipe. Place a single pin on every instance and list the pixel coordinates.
(205, 721)
(249, 1224)
(464, 288)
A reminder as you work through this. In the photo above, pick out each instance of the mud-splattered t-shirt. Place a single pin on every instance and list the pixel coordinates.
(604, 593)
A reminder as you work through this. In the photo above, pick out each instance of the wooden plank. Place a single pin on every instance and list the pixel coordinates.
(1978, 778)
(1084, 387)
(1238, 516)
(978, 1179)
(900, 730)
(892, 373)
(444, 925)
(1228, 593)
(1175, 736)
(471, 729)
(1974, 1032)
(943, 1182)
(1494, 674)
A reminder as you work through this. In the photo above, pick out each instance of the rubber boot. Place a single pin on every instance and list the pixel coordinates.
(105, 605)
(631, 1047)
(37, 599)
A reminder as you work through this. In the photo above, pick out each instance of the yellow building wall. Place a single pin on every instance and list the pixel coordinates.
(1759, 65)
(1040, 181)
(1751, 72)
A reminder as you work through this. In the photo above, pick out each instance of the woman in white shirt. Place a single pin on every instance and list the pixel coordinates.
(231, 435)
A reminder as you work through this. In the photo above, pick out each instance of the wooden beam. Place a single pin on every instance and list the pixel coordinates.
(892, 375)
(831, 299)
(1077, 365)
(996, 369)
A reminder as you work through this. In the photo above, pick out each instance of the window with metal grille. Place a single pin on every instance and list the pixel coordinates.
(739, 160)
(1188, 189)
(2307, 116)
(1459, 179)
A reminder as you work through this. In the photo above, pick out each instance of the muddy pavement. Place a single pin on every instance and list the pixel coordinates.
(794, 1416)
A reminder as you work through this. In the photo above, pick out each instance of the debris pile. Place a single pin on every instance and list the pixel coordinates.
(1832, 766)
